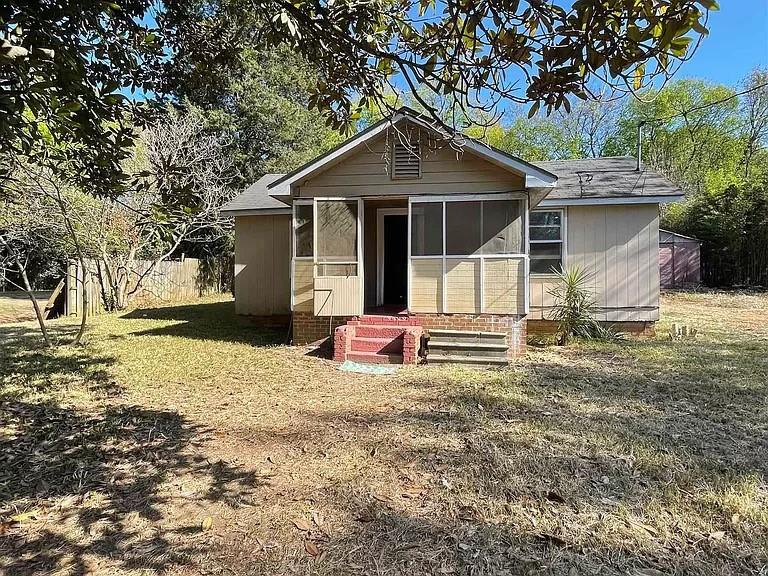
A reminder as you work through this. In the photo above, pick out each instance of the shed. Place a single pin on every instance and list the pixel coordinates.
(679, 260)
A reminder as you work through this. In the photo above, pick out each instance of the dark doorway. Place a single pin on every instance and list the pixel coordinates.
(395, 260)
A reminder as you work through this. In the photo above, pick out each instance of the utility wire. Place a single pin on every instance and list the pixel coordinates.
(708, 105)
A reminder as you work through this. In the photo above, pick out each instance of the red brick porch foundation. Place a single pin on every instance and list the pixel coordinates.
(308, 328)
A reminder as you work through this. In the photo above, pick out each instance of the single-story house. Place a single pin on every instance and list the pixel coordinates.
(416, 231)
(679, 260)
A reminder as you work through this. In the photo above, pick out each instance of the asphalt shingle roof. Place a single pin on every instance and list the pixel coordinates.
(608, 177)
(257, 196)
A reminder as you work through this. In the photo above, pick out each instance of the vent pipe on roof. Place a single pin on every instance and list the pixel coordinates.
(640, 144)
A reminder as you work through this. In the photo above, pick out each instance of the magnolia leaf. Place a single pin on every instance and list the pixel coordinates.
(311, 548)
(302, 524)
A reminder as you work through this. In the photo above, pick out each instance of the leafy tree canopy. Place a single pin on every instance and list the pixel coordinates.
(477, 54)
(65, 65)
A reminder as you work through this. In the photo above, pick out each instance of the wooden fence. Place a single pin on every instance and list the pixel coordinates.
(170, 281)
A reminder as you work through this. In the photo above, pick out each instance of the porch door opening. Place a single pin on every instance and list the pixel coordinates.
(395, 260)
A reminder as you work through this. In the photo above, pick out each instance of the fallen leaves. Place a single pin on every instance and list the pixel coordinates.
(301, 524)
(206, 524)
(311, 548)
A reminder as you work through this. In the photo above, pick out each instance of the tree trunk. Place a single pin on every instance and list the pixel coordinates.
(27, 287)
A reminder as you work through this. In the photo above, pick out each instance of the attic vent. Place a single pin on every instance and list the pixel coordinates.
(406, 160)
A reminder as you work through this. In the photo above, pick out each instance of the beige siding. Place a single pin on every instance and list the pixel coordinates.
(462, 285)
(337, 296)
(303, 286)
(262, 265)
(619, 247)
(504, 286)
(426, 285)
(444, 171)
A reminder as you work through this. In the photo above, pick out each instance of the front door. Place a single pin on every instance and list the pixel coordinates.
(395, 260)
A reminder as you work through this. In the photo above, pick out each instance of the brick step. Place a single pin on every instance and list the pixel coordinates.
(457, 348)
(373, 320)
(466, 336)
(381, 345)
(367, 331)
(374, 358)
(469, 360)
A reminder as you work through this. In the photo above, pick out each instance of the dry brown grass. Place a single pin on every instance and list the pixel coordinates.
(611, 459)
(16, 306)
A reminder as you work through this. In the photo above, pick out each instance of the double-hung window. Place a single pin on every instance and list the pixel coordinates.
(546, 241)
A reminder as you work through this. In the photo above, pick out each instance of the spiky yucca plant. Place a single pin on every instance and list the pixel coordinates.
(575, 308)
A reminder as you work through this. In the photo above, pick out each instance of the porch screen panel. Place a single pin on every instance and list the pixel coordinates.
(462, 282)
(337, 232)
(426, 285)
(427, 229)
(503, 227)
(337, 290)
(504, 286)
(474, 261)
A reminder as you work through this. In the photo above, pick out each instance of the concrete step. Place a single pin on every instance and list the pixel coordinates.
(374, 358)
(469, 360)
(366, 331)
(459, 348)
(466, 336)
(381, 345)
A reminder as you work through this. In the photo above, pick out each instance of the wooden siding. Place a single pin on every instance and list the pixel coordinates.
(262, 265)
(337, 296)
(619, 247)
(462, 279)
(426, 285)
(504, 286)
(303, 286)
(443, 171)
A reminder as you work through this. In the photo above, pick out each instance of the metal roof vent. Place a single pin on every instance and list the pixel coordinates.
(406, 161)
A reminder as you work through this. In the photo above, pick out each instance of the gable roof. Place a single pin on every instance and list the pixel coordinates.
(613, 179)
(256, 199)
(535, 176)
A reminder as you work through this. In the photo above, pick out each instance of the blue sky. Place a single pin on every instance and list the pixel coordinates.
(737, 42)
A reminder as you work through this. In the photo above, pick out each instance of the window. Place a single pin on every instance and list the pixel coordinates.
(427, 229)
(406, 161)
(546, 241)
(304, 231)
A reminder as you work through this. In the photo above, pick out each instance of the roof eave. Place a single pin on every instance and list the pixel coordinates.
(605, 200)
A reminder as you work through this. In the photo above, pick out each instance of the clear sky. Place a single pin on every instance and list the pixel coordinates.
(737, 42)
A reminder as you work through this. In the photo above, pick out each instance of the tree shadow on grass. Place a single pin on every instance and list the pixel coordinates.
(87, 486)
(102, 476)
(212, 321)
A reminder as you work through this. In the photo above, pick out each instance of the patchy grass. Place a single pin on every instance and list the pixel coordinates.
(179, 441)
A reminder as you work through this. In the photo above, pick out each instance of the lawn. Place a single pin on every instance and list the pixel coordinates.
(16, 306)
(180, 441)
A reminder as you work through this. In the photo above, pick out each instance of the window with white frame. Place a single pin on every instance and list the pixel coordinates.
(546, 241)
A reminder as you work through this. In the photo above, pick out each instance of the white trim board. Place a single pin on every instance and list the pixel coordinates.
(557, 203)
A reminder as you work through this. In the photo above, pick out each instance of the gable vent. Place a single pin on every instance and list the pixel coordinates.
(406, 160)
